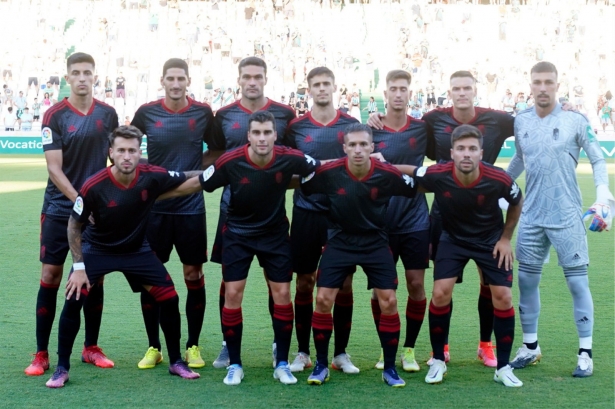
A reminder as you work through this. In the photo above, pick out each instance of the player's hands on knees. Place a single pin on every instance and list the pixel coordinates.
(503, 249)
(75, 282)
(374, 120)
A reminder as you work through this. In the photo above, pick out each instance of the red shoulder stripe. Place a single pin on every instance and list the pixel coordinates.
(297, 120)
(152, 168)
(387, 167)
(50, 111)
(440, 168)
(228, 156)
(331, 165)
(93, 180)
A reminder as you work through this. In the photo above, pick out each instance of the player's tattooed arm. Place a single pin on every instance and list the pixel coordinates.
(503, 248)
(192, 173)
(78, 278)
(74, 239)
(56, 174)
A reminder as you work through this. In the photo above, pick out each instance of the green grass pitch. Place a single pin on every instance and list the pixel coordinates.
(468, 384)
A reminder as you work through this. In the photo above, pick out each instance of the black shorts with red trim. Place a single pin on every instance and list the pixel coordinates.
(271, 249)
(186, 232)
(338, 262)
(216, 250)
(308, 235)
(140, 269)
(54, 240)
(452, 259)
(412, 248)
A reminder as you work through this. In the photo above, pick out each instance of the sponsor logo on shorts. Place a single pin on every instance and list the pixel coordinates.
(78, 207)
(46, 136)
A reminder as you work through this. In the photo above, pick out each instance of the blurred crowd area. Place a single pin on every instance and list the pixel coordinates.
(360, 41)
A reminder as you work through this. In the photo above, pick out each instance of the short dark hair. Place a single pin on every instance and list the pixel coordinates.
(466, 131)
(320, 71)
(358, 127)
(127, 132)
(544, 66)
(261, 117)
(399, 75)
(175, 63)
(259, 62)
(462, 74)
(77, 58)
(10, 109)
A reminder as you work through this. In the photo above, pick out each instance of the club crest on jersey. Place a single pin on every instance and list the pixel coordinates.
(46, 136)
(308, 177)
(173, 173)
(78, 207)
(144, 195)
(421, 171)
(208, 172)
(408, 180)
(514, 190)
(310, 160)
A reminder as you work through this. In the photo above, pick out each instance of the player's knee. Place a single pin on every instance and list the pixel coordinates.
(51, 274)
(415, 284)
(388, 302)
(305, 283)
(192, 273)
(441, 295)
(324, 301)
(501, 297)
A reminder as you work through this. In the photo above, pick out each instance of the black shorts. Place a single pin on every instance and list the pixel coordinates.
(271, 249)
(36, 117)
(139, 269)
(431, 101)
(216, 250)
(435, 231)
(54, 80)
(413, 248)
(308, 235)
(188, 233)
(452, 259)
(337, 263)
(33, 80)
(54, 240)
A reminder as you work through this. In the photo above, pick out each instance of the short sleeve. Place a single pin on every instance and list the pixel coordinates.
(81, 211)
(51, 136)
(139, 120)
(216, 140)
(512, 193)
(403, 185)
(314, 182)
(424, 178)
(213, 177)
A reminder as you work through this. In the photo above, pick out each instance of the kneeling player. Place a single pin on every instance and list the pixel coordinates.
(359, 189)
(119, 198)
(467, 192)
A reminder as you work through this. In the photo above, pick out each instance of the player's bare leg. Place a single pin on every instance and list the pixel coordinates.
(485, 316)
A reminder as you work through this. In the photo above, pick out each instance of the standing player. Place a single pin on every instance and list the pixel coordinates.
(119, 199)
(319, 134)
(548, 141)
(230, 130)
(359, 189)
(256, 225)
(467, 191)
(74, 137)
(176, 127)
(496, 126)
(403, 141)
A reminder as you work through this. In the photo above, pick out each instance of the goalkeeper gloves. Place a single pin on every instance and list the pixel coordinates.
(601, 212)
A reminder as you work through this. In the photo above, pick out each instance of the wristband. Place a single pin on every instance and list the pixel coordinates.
(78, 266)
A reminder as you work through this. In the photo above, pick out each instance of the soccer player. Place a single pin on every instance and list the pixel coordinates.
(119, 199)
(403, 141)
(318, 134)
(258, 175)
(74, 137)
(495, 126)
(358, 188)
(467, 192)
(230, 130)
(548, 141)
(176, 127)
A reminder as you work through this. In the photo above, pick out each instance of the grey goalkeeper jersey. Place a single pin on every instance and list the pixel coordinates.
(548, 149)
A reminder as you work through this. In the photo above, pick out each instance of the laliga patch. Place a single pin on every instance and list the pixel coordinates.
(421, 171)
(590, 134)
(409, 181)
(208, 172)
(310, 160)
(308, 177)
(514, 191)
(46, 136)
(78, 207)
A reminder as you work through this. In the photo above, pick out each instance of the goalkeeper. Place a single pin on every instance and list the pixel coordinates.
(548, 141)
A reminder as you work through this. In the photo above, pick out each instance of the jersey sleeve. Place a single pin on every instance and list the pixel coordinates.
(81, 210)
(516, 165)
(430, 149)
(213, 177)
(115, 121)
(289, 138)
(51, 135)
(424, 178)
(313, 183)
(511, 192)
(139, 120)
(208, 132)
(169, 179)
(403, 185)
(586, 138)
(216, 140)
(305, 165)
